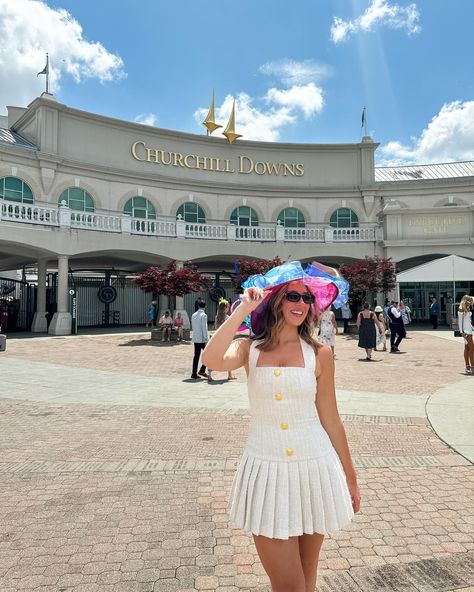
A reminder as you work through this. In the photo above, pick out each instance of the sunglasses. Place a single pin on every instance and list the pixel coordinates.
(307, 297)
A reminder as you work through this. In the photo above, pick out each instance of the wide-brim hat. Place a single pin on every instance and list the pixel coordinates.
(378, 309)
(326, 283)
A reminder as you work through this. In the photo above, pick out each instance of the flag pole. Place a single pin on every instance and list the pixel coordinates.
(47, 74)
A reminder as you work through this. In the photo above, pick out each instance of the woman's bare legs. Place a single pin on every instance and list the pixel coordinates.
(469, 353)
(310, 546)
(290, 564)
(368, 351)
(282, 562)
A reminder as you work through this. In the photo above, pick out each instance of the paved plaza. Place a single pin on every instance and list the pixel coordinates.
(116, 469)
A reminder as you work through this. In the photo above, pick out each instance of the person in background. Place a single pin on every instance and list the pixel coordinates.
(151, 314)
(346, 315)
(381, 335)
(327, 328)
(466, 329)
(406, 314)
(179, 324)
(166, 324)
(386, 308)
(434, 313)
(221, 316)
(200, 338)
(368, 326)
(3, 317)
(397, 328)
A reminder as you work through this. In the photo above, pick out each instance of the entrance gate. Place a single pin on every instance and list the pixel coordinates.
(18, 299)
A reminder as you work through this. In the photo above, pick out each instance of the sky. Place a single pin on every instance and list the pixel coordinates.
(299, 71)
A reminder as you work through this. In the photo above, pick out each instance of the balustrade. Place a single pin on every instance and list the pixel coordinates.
(31, 214)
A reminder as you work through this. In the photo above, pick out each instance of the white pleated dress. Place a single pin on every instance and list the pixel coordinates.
(290, 480)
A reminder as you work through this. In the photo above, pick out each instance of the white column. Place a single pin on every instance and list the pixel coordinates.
(61, 321)
(40, 324)
(180, 304)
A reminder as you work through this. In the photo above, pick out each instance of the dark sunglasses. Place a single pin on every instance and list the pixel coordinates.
(307, 297)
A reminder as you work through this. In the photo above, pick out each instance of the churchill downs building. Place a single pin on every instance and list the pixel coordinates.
(87, 200)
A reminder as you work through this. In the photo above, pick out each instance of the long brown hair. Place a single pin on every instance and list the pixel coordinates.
(273, 321)
(221, 313)
(466, 304)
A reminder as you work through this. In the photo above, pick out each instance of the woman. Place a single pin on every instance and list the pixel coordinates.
(221, 317)
(179, 324)
(368, 325)
(381, 335)
(327, 328)
(465, 327)
(296, 481)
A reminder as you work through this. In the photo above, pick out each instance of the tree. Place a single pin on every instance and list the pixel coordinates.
(171, 281)
(247, 267)
(371, 275)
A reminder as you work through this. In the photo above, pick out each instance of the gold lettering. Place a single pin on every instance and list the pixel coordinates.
(178, 159)
(134, 150)
(228, 168)
(204, 161)
(163, 157)
(299, 169)
(242, 159)
(272, 168)
(186, 163)
(290, 168)
(156, 155)
(261, 166)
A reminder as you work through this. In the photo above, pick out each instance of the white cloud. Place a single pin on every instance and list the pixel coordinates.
(291, 72)
(146, 119)
(448, 137)
(29, 29)
(379, 12)
(262, 118)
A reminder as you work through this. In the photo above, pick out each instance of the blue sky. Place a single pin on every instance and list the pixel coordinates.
(301, 71)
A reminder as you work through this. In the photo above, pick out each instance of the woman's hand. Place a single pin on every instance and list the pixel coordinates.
(354, 493)
(251, 299)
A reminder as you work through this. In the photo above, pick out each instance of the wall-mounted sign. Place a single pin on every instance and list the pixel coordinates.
(244, 165)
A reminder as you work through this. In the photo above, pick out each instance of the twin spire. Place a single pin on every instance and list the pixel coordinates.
(211, 125)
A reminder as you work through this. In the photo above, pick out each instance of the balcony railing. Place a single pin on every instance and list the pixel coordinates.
(64, 217)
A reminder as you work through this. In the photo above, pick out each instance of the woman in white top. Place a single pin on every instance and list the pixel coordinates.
(465, 327)
(327, 328)
(296, 481)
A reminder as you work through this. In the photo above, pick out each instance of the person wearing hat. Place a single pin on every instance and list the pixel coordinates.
(381, 335)
(296, 481)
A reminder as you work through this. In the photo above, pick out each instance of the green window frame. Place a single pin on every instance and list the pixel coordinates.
(344, 218)
(244, 216)
(77, 199)
(192, 212)
(15, 189)
(140, 207)
(292, 218)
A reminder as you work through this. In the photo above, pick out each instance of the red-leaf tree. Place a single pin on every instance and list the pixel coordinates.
(248, 267)
(171, 281)
(371, 275)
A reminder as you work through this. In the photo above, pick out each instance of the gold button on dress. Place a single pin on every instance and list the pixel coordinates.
(277, 372)
(289, 451)
(278, 397)
(284, 426)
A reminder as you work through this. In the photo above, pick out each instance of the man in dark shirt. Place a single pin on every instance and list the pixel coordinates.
(397, 328)
(434, 312)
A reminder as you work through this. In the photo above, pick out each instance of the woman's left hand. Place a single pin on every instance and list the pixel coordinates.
(355, 494)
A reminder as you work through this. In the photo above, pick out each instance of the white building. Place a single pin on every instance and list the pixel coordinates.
(79, 191)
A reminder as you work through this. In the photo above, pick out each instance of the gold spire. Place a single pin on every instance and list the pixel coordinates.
(229, 131)
(210, 122)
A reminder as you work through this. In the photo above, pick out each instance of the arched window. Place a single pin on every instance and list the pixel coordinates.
(140, 207)
(14, 189)
(244, 216)
(291, 218)
(344, 218)
(77, 199)
(192, 212)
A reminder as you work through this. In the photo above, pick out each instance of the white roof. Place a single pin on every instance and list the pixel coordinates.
(446, 269)
(419, 172)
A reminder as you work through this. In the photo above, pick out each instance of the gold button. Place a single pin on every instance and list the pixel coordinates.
(289, 451)
(278, 397)
(277, 372)
(284, 426)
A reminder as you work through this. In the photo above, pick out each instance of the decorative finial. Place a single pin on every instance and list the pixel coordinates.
(229, 131)
(210, 122)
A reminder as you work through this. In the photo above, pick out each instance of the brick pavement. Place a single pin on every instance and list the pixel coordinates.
(126, 498)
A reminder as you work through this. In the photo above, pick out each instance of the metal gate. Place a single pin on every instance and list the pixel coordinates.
(17, 304)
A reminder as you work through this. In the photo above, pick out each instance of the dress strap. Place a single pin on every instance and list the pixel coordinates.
(309, 355)
(253, 354)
